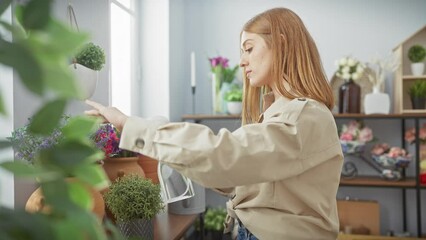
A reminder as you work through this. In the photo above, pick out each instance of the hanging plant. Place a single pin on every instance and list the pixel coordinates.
(91, 56)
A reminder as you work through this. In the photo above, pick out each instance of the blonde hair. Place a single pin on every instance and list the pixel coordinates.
(295, 59)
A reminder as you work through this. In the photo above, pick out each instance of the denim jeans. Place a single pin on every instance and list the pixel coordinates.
(244, 233)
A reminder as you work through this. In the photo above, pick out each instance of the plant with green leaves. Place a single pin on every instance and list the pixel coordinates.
(41, 61)
(27, 144)
(214, 218)
(91, 56)
(134, 197)
(416, 53)
(418, 89)
(234, 95)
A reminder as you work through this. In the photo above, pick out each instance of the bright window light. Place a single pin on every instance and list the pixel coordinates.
(121, 54)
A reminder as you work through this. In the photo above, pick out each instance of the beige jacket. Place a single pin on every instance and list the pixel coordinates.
(285, 170)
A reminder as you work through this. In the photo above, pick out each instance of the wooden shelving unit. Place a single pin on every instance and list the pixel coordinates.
(367, 181)
(403, 78)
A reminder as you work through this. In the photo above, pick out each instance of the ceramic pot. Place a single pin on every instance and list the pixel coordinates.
(150, 167)
(36, 203)
(118, 167)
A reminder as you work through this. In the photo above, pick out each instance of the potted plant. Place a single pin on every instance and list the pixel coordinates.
(117, 162)
(234, 99)
(28, 146)
(86, 64)
(417, 94)
(416, 54)
(134, 201)
(214, 218)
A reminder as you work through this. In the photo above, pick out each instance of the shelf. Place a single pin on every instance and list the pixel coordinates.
(377, 182)
(411, 77)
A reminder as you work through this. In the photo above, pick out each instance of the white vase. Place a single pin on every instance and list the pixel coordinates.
(376, 102)
(234, 108)
(417, 69)
(87, 79)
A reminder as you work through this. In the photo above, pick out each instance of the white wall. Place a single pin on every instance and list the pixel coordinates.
(6, 123)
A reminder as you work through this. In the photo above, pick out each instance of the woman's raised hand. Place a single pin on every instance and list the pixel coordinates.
(108, 114)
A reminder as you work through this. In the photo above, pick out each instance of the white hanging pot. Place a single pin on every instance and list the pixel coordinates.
(417, 69)
(86, 78)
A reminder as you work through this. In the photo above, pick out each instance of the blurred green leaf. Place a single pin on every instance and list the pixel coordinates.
(47, 118)
(62, 81)
(21, 169)
(2, 106)
(84, 225)
(93, 175)
(18, 57)
(16, 30)
(80, 127)
(4, 4)
(80, 194)
(19, 224)
(36, 14)
(69, 154)
(57, 195)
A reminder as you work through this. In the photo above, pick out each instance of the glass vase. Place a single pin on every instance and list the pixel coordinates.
(349, 97)
(217, 94)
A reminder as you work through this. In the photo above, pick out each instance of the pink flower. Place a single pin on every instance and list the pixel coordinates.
(365, 135)
(379, 149)
(410, 134)
(346, 137)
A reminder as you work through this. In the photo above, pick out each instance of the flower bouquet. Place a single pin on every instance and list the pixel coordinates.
(107, 139)
(390, 157)
(117, 162)
(223, 75)
(354, 136)
(349, 68)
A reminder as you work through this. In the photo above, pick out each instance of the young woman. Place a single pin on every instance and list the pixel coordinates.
(283, 164)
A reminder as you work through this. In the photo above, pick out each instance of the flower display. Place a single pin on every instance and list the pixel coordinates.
(410, 134)
(220, 67)
(381, 66)
(349, 68)
(27, 145)
(222, 73)
(390, 157)
(354, 136)
(107, 139)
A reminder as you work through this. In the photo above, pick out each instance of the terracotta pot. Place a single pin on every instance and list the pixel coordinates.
(149, 166)
(36, 203)
(118, 167)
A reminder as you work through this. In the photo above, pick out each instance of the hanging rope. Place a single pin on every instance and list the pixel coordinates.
(73, 24)
(72, 18)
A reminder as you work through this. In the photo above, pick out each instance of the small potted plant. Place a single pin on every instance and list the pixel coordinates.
(134, 201)
(417, 94)
(214, 218)
(417, 54)
(86, 65)
(233, 98)
(117, 162)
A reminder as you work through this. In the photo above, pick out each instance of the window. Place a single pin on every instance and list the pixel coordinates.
(122, 47)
